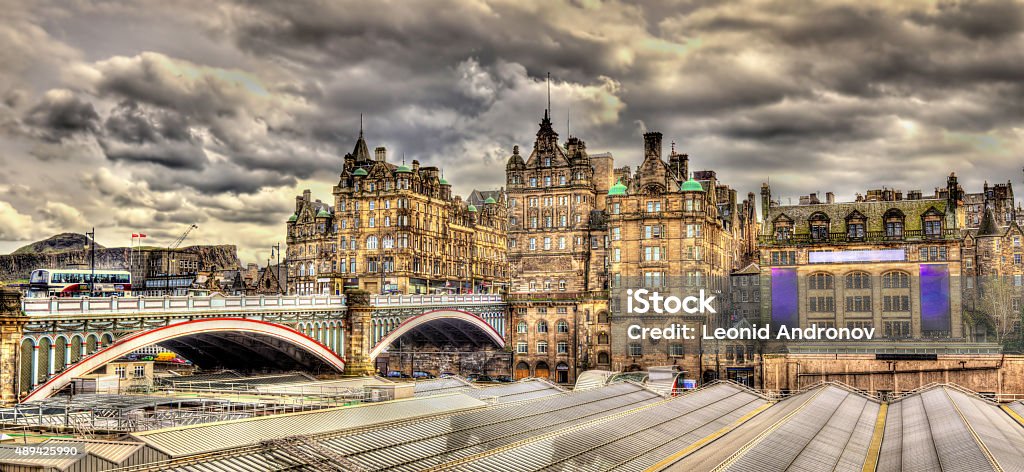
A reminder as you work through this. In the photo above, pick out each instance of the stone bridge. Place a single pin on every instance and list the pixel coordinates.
(46, 342)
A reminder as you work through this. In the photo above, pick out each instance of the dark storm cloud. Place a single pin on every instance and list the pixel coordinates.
(250, 98)
(61, 114)
(130, 123)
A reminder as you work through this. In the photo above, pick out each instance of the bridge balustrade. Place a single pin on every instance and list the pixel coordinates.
(142, 304)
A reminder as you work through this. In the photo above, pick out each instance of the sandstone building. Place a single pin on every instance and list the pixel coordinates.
(677, 233)
(396, 229)
(889, 263)
(582, 232)
(557, 252)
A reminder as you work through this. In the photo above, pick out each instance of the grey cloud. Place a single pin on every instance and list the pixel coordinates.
(816, 95)
(61, 114)
(172, 154)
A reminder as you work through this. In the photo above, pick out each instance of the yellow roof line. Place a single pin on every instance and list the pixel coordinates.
(707, 439)
(875, 446)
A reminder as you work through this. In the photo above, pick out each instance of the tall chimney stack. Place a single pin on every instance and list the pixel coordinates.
(380, 154)
(652, 145)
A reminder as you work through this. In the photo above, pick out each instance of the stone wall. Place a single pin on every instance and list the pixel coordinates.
(491, 363)
(986, 373)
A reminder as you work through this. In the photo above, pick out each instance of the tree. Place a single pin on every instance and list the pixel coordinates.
(995, 303)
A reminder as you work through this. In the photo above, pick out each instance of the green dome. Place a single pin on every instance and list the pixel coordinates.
(403, 169)
(617, 189)
(443, 181)
(490, 200)
(472, 208)
(360, 171)
(323, 214)
(691, 186)
(293, 218)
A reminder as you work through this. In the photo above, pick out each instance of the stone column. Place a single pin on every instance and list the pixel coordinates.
(12, 327)
(357, 341)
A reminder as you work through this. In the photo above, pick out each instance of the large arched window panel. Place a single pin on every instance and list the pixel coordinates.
(858, 280)
(371, 242)
(820, 281)
(822, 299)
(896, 279)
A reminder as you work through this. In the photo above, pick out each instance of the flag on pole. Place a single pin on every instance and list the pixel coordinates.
(142, 235)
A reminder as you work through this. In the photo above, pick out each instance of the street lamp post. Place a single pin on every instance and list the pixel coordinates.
(92, 260)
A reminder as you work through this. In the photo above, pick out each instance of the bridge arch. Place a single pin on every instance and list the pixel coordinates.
(454, 319)
(227, 334)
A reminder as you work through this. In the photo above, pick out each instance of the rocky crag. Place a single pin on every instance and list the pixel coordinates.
(67, 250)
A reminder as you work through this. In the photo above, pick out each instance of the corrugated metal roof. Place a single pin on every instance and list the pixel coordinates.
(322, 387)
(422, 442)
(944, 428)
(9, 454)
(513, 392)
(113, 451)
(830, 432)
(630, 440)
(824, 428)
(414, 446)
(185, 440)
(445, 385)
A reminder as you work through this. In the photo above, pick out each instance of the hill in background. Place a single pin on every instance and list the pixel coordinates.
(57, 243)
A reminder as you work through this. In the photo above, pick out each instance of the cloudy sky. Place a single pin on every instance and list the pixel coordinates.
(154, 115)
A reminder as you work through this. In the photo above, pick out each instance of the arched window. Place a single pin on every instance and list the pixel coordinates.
(602, 317)
(521, 327)
(858, 280)
(820, 281)
(896, 279)
(896, 297)
(855, 224)
(819, 226)
(371, 242)
(388, 242)
(894, 220)
(542, 326)
(932, 223)
(603, 358)
(602, 338)
(783, 226)
(312, 269)
(562, 326)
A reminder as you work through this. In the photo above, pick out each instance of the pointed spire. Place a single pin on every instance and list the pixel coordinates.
(361, 151)
(549, 94)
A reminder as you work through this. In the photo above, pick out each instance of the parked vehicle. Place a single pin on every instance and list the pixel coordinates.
(394, 374)
(480, 378)
(504, 378)
(419, 374)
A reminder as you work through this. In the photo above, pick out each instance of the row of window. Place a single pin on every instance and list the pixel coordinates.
(561, 326)
(561, 347)
(858, 280)
(855, 304)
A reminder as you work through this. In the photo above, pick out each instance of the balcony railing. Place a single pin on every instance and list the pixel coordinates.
(184, 304)
(844, 238)
(405, 300)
